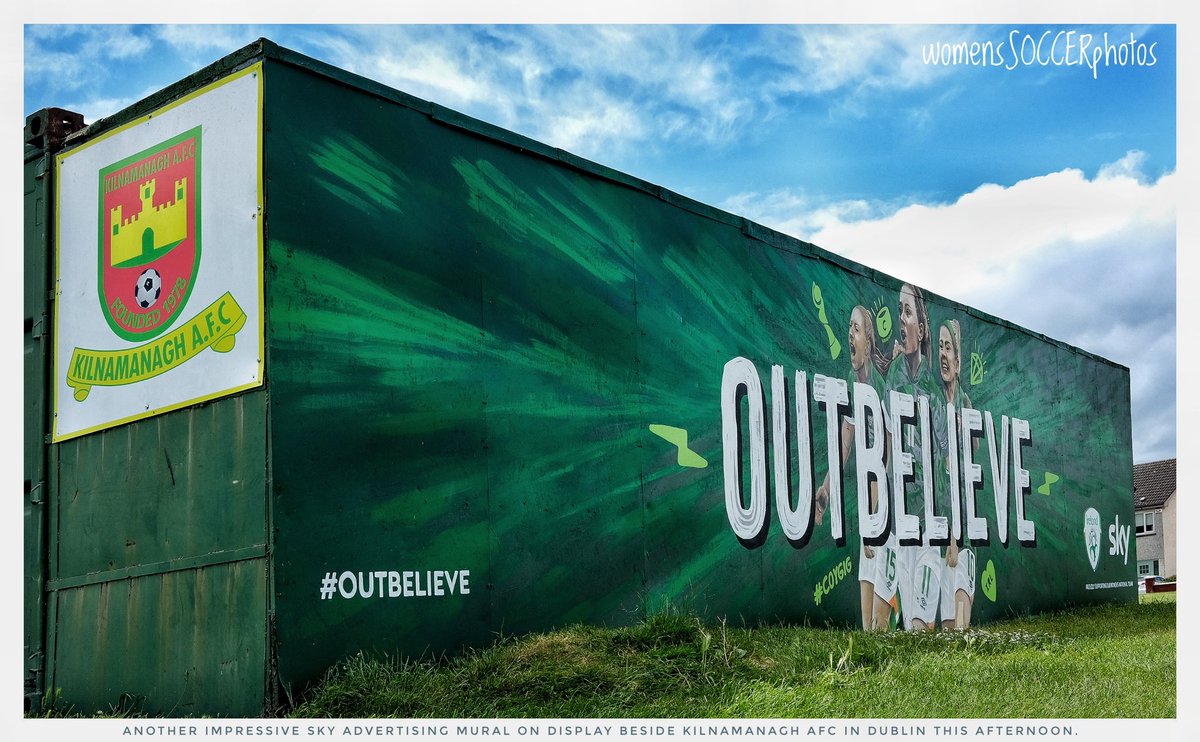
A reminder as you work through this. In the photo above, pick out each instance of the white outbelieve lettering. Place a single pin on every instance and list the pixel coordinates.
(963, 428)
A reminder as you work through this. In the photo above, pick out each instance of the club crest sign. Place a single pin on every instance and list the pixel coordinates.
(149, 256)
(149, 236)
(146, 319)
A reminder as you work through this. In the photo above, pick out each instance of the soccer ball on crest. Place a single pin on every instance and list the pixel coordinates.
(148, 288)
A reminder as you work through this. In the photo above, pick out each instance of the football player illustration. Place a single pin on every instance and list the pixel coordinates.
(866, 363)
(958, 569)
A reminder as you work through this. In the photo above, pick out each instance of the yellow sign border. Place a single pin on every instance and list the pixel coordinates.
(253, 69)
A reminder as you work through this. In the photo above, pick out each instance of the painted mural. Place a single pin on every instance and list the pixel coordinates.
(902, 423)
(509, 394)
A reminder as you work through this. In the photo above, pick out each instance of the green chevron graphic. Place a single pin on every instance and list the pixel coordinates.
(679, 437)
(1051, 478)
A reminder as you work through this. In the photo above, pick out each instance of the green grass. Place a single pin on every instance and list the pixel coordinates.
(1096, 662)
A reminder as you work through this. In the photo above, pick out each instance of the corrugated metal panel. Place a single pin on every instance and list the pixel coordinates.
(158, 559)
(172, 487)
(36, 340)
(184, 643)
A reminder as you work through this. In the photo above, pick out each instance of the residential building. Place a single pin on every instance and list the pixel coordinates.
(1154, 517)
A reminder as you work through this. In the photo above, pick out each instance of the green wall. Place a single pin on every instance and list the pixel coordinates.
(468, 344)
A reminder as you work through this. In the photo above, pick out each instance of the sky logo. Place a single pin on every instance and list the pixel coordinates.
(1118, 540)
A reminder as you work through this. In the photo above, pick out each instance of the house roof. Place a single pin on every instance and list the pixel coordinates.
(1153, 484)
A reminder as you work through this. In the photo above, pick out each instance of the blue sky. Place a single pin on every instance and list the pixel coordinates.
(1040, 190)
(843, 112)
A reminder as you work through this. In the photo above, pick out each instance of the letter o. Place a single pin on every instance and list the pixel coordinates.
(748, 522)
(1028, 50)
(347, 575)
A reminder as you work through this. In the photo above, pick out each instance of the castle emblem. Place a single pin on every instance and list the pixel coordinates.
(152, 231)
(149, 236)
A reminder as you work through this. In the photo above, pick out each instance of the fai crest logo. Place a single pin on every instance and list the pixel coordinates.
(1091, 536)
(149, 236)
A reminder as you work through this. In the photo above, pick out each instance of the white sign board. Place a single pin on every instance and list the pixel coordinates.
(159, 287)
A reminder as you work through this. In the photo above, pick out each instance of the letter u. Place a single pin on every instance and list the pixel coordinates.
(365, 587)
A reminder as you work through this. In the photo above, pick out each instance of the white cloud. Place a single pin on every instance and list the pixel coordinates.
(601, 119)
(802, 216)
(860, 59)
(207, 42)
(1129, 166)
(96, 108)
(434, 68)
(959, 248)
(76, 57)
(594, 90)
(90, 68)
(67, 71)
(124, 44)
